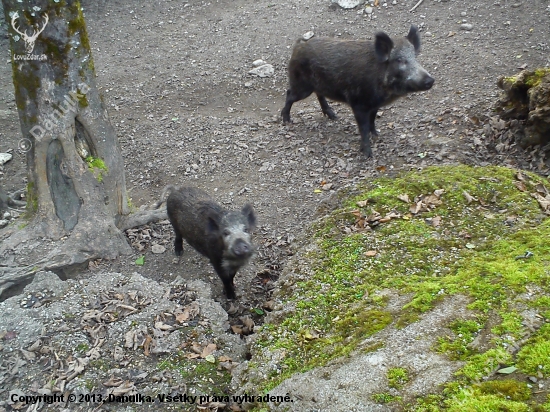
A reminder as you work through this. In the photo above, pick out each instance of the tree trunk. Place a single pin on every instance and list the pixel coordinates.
(76, 191)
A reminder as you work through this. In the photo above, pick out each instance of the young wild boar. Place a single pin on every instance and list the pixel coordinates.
(363, 74)
(222, 236)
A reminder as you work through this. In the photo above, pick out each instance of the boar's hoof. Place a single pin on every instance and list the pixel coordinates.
(366, 151)
(331, 115)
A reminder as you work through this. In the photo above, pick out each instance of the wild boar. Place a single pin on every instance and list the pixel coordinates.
(222, 236)
(366, 75)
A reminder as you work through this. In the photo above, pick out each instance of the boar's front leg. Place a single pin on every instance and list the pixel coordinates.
(226, 275)
(294, 94)
(365, 121)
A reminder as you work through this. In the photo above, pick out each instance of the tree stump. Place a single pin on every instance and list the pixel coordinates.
(76, 192)
(526, 98)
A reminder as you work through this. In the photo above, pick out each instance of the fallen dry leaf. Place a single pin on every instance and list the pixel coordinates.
(113, 382)
(521, 186)
(541, 189)
(520, 176)
(392, 215)
(404, 198)
(356, 213)
(436, 221)
(195, 347)
(469, 198)
(208, 350)
(544, 202)
(311, 335)
(439, 192)
(147, 345)
(416, 207)
(431, 200)
(189, 312)
(163, 326)
(247, 321)
(371, 253)
(123, 389)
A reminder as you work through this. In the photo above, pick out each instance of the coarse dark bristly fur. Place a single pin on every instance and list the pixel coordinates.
(221, 235)
(366, 75)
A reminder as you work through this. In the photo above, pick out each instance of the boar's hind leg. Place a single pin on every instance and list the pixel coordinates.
(178, 244)
(372, 118)
(327, 111)
(292, 96)
(365, 120)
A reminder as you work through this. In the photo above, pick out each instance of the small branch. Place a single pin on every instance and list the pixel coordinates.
(7, 201)
(16, 203)
(142, 218)
(416, 5)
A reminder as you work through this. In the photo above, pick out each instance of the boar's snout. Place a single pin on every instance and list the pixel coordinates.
(421, 82)
(428, 82)
(241, 249)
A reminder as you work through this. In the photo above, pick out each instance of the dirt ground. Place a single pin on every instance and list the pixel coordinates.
(174, 76)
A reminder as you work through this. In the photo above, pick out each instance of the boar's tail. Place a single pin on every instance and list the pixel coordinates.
(167, 190)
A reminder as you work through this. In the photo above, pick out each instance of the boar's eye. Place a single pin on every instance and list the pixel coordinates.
(401, 60)
(226, 232)
(246, 230)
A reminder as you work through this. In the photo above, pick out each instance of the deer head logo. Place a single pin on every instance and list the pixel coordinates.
(29, 40)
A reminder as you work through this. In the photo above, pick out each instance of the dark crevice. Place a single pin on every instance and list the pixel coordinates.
(83, 141)
(65, 199)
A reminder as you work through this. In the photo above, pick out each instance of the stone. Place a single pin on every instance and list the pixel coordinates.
(4, 158)
(348, 4)
(265, 70)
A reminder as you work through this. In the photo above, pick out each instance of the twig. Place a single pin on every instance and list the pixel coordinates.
(416, 5)
(141, 218)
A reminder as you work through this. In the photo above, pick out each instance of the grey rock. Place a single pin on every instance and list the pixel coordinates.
(4, 158)
(308, 35)
(265, 70)
(348, 4)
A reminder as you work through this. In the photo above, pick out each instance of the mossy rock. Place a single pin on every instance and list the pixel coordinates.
(471, 241)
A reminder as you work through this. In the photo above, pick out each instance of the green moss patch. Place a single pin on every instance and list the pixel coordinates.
(534, 357)
(97, 166)
(397, 377)
(439, 232)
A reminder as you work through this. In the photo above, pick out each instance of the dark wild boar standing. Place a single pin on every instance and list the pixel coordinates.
(222, 236)
(365, 75)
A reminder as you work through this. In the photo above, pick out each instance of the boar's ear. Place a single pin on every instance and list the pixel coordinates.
(248, 212)
(414, 38)
(382, 46)
(212, 224)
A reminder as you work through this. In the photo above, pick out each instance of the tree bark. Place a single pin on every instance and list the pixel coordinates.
(76, 193)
